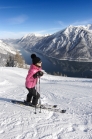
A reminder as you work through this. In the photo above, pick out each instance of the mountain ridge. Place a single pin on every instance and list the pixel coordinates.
(71, 43)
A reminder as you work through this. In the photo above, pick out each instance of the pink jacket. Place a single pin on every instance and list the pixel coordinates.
(30, 81)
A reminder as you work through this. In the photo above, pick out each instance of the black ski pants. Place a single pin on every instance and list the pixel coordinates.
(33, 95)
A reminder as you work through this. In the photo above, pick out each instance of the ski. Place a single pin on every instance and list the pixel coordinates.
(45, 107)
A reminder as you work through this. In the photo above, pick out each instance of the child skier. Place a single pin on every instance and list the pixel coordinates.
(31, 80)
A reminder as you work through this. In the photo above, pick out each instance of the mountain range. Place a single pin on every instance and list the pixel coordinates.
(71, 43)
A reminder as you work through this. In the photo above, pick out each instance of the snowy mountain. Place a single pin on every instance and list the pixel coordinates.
(20, 122)
(89, 27)
(29, 40)
(5, 48)
(5, 51)
(72, 43)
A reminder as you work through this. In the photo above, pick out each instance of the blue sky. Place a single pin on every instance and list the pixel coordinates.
(19, 17)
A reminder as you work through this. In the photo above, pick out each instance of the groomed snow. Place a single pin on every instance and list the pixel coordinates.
(20, 122)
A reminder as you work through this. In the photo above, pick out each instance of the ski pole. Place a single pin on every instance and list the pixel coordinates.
(40, 96)
(36, 95)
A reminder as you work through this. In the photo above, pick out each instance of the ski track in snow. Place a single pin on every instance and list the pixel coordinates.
(20, 122)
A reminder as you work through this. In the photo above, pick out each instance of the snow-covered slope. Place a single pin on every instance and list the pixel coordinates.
(5, 48)
(72, 94)
(5, 51)
(72, 43)
(29, 40)
(89, 27)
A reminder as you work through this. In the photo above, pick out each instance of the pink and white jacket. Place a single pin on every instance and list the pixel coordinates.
(30, 81)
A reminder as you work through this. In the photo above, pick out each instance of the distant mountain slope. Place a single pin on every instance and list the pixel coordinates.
(5, 51)
(5, 48)
(28, 41)
(73, 43)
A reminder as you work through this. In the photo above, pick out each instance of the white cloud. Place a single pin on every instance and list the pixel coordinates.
(12, 35)
(5, 7)
(61, 23)
(12, 7)
(84, 22)
(18, 20)
(48, 31)
(16, 35)
(21, 19)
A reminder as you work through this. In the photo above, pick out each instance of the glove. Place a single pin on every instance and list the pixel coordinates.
(38, 74)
